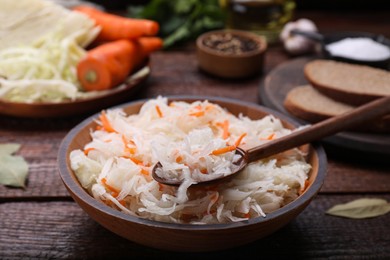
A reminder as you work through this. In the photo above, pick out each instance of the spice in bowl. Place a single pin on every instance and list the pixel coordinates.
(229, 43)
(359, 49)
(231, 53)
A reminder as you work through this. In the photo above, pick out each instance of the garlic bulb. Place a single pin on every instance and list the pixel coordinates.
(298, 44)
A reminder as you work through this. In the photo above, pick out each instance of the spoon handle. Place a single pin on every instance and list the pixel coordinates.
(371, 110)
(311, 35)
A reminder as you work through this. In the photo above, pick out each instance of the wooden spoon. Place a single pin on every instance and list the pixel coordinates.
(372, 110)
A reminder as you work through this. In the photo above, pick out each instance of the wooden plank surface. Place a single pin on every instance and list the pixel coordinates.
(54, 230)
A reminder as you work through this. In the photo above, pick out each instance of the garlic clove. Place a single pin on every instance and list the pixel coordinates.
(297, 44)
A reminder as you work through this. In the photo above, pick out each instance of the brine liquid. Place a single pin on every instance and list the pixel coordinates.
(265, 17)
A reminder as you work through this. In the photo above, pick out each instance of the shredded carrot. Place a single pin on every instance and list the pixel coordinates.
(238, 142)
(135, 160)
(122, 202)
(112, 189)
(224, 150)
(179, 159)
(247, 215)
(99, 127)
(271, 136)
(160, 114)
(144, 171)
(106, 123)
(203, 171)
(197, 113)
(226, 133)
(86, 151)
(225, 129)
(130, 150)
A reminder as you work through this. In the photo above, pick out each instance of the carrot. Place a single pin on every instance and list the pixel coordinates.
(115, 27)
(179, 159)
(160, 114)
(144, 171)
(239, 140)
(271, 136)
(224, 150)
(197, 112)
(109, 187)
(109, 64)
(225, 128)
(87, 150)
(106, 123)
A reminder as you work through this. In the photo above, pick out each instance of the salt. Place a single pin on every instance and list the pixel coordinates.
(359, 49)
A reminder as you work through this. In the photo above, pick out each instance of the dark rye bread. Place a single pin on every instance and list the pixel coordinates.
(307, 103)
(347, 83)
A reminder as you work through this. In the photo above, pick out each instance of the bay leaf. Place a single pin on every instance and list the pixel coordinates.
(13, 168)
(361, 208)
(9, 148)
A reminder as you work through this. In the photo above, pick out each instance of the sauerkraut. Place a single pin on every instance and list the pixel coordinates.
(115, 167)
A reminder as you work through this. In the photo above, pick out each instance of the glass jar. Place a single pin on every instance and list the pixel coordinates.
(264, 17)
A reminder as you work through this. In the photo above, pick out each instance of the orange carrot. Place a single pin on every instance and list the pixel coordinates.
(179, 159)
(109, 64)
(224, 150)
(238, 142)
(105, 123)
(144, 171)
(271, 136)
(109, 187)
(115, 27)
(87, 150)
(225, 128)
(128, 150)
(160, 114)
(197, 113)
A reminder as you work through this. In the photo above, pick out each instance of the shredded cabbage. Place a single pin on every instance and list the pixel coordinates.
(115, 167)
(38, 64)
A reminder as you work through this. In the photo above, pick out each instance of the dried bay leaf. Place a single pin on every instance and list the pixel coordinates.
(13, 168)
(9, 148)
(361, 208)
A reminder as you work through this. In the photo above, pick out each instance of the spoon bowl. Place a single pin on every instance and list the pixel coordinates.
(369, 111)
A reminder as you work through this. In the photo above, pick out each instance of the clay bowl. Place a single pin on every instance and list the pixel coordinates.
(225, 63)
(188, 237)
(80, 106)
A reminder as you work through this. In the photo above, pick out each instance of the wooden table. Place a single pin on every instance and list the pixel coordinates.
(42, 221)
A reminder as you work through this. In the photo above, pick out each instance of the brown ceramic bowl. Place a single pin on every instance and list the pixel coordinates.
(80, 106)
(225, 63)
(188, 237)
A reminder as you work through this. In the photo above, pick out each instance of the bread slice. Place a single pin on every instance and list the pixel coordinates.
(348, 83)
(307, 103)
